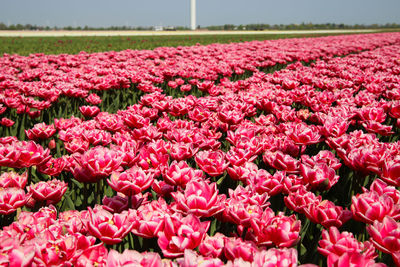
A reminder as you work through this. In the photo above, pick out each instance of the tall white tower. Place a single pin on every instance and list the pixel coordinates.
(193, 14)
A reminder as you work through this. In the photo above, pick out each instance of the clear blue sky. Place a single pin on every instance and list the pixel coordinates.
(107, 13)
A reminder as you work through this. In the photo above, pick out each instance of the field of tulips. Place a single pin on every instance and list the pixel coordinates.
(263, 153)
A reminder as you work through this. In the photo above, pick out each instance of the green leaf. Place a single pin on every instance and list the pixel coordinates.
(303, 250)
(78, 184)
(69, 203)
(220, 180)
(213, 227)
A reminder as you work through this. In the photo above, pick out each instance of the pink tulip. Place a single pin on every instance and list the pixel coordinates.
(303, 134)
(53, 167)
(191, 259)
(281, 161)
(161, 188)
(236, 248)
(11, 199)
(131, 181)
(264, 182)
(95, 164)
(97, 137)
(22, 256)
(242, 172)
(212, 162)
(151, 218)
(319, 176)
(328, 214)
(391, 171)
(133, 120)
(180, 173)
(281, 230)
(200, 199)
(89, 111)
(94, 256)
(93, 99)
(352, 259)
(13, 179)
(385, 235)
(338, 243)
(31, 154)
(7, 122)
(181, 233)
(276, 257)
(371, 206)
(182, 151)
(133, 258)
(50, 191)
(212, 246)
(41, 131)
(110, 228)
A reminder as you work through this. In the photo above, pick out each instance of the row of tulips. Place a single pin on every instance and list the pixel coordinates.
(264, 170)
(40, 82)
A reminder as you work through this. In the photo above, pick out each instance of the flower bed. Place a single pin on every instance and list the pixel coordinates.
(278, 152)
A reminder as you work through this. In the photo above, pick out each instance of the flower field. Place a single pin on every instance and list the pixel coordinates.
(262, 153)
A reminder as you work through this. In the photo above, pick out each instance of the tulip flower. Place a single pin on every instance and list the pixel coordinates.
(13, 179)
(385, 235)
(181, 233)
(11, 199)
(199, 198)
(212, 162)
(95, 164)
(110, 228)
(132, 181)
(51, 191)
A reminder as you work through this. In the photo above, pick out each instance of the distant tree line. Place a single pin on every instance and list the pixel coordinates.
(31, 27)
(226, 27)
(302, 26)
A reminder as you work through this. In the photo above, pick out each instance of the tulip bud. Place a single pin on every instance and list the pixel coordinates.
(52, 144)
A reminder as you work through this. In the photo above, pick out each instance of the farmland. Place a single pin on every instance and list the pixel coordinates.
(281, 152)
(73, 42)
